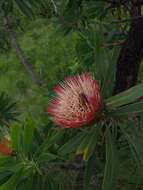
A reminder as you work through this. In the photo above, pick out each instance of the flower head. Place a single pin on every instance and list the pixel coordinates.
(78, 101)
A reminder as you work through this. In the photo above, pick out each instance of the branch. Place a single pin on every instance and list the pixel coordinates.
(125, 20)
(116, 3)
(118, 43)
(19, 52)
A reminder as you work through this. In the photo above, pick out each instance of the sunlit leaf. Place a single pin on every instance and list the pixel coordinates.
(88, 144)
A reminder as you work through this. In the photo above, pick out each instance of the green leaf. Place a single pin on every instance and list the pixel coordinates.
(4, 176)
(28, 135)
(125, 97)
(89, 171)
(111, 166)
(47, 157)
(26, 185)
(51, 185)
(4, 160)
(135, 108)
(52, 139)
(37, 182)
(16, 137)
(8, 110)
(134, 137)
(88, 144)
(24, 8)
(72, 144)
(12, 182)
(109, 73)
(92, 50)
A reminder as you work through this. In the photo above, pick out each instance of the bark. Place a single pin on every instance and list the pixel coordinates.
(20, 53)
(131, 54)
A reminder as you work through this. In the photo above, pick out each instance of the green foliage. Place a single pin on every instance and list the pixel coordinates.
(126, 97)
(107, 155)
(111, 167)
(8, 110)
(44, 48)
(31, 159)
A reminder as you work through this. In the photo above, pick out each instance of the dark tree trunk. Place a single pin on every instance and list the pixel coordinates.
(131, 54)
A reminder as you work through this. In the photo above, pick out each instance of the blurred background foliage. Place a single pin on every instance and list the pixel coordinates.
(48, 40)
(44, 48)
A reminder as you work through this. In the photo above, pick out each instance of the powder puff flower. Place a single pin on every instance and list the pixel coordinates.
(77, 103)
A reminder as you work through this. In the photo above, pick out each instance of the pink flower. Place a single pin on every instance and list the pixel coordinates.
(78, 101)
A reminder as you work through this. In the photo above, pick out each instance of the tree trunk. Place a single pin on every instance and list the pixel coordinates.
(131, 54)
(20, 54)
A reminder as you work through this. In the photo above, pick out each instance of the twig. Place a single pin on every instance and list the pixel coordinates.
(66, 166)
(114, 44)
(126, 20)
(19, 52)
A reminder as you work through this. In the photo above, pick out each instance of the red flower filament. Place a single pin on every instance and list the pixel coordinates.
(77, 103)
(4, 147)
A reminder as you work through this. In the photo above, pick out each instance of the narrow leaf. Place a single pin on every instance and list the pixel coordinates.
(111, 166)
(87, 146)
(16, 137)
(28, 135)
(125, 97)
(135, 108)
(89, 171)
(72, 144)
